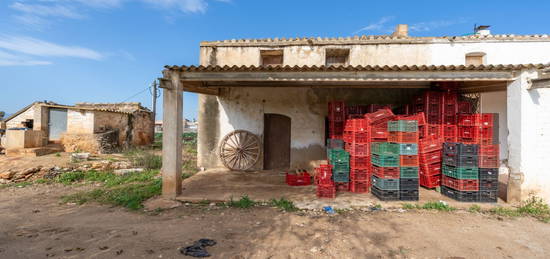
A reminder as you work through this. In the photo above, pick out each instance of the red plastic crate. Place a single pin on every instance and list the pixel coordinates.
(356, 109)
(484, 132)
(428, 145)
(428, 97)
(468, 119)
(489, 161)
(430, 181)
(323, 175)
(464, 107)
(409, 161)
(356, 124)
(419, 117)
(403, 137)
(357, 137)
(450, 109)
(432, 131)
(326, 191)
(450, 119)
(298, 179)
(379, 131)
(358, 149)
(380, 115)
(460, 184)
(434, 118)
(467, 132)
(450, 133)
(489, 150)
(359, 174)
(359, 186)
(430, 157)
(487, 120)
(450, 98)
(336, 128)
(430, 169)
(386, 172)
(375, 107)
(359, 162)
(342, 187)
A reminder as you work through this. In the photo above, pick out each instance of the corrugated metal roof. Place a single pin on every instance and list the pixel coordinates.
(368, 39)
(508, 67)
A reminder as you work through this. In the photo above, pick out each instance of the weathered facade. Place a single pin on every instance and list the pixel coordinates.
(239, 85)
(83, 127)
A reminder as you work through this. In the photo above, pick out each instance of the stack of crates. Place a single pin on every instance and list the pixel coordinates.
(460, 171)
(339, 160)
(378, 122)
(325, 185)
(488, 172)
(357, 144)
(336, 119)
(385, 170)
(405, 134)
(430, 157)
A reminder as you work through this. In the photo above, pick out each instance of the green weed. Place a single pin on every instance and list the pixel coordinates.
(70, 177)
(283, 204)
(506, 212)
(242, 203)
(474, 208)
(410, 206)
(144, 159)
(437, 206)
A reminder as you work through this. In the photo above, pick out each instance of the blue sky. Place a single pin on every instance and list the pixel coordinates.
(71, 51)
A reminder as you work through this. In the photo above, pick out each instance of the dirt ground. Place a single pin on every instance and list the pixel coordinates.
(35, 225)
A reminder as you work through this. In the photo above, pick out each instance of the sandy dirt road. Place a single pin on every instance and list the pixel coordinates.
(35, 225)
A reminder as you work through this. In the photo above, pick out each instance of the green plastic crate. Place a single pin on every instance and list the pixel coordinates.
(384, 148)
(403, 125)
(461, 172)
(340, 177)
(408, 149)
(385, 160)
(385, 184)
(337, 156)
(408, 172)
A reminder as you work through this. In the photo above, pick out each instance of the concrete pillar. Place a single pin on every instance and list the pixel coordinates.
(172, 137)
(521, 140)
(208, 131)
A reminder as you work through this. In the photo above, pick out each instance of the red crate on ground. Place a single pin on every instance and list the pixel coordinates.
(460, 184)
(356, 124)
(359, 174)
(298, 179)
(403, 137)
(430, 157)
(489, 161)
(380, 115)
(430, 169)
(342, 187)
(489, 150)
(358, 149)
(409, 161)
(430, 181)
(359, 186)
(359, 162)
(386, 172)
(428, 145)
(326, 191)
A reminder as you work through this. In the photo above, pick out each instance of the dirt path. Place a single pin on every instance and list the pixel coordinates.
(35, 225)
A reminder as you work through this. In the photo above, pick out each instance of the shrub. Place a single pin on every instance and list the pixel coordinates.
(283, 204)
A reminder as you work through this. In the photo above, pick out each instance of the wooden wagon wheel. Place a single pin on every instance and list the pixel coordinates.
(239, 150)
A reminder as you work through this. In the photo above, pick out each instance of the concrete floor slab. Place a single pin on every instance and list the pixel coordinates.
(218, 185)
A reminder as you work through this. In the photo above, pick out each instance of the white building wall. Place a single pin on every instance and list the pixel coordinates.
(495, 102)
(16, 122)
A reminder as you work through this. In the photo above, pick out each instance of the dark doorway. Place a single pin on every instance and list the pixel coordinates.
(276, 141)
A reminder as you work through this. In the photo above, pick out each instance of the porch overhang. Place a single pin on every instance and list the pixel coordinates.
(210, 79)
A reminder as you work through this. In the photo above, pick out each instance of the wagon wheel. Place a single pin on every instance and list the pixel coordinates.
(240, 150)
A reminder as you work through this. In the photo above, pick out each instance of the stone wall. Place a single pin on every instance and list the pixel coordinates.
(17, 121)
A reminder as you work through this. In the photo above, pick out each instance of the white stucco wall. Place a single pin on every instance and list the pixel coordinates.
(80, 121)
(495, 102)
(438, 52)
(244, 109)
(29, 114)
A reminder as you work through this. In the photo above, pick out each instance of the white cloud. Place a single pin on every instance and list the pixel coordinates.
(428, 26)
(7, 59)
(36, 47)
(46, 10)
(188, 6)
(380, 25)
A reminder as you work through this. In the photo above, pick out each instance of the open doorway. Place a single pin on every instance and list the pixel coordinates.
(276, 141)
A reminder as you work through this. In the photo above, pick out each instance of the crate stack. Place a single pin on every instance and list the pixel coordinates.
(378, 122)
(339, 160)
(404, 133)
(460, 171)
(336, 119)
(325, 185)
(357, 144)
(385, 170)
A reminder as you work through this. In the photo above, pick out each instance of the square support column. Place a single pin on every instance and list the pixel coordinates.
(172, 137)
